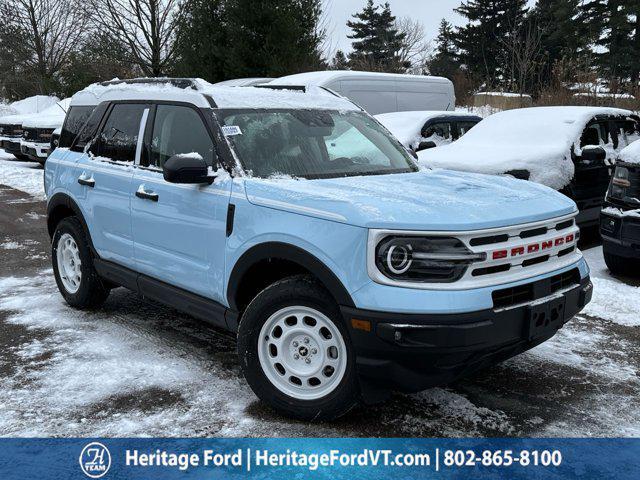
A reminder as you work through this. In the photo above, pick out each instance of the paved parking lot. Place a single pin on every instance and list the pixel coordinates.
(137, 368)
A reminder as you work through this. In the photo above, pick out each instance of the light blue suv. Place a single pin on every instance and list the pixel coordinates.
(294, 219)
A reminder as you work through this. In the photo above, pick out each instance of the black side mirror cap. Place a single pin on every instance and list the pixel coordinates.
(425, 146)
(593, 154)
(187, 168)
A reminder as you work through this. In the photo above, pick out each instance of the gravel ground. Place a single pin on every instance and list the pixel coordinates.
(134, 368)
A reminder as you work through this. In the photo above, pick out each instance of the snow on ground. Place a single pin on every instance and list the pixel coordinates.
(24, 176)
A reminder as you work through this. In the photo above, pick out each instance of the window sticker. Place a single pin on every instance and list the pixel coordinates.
(231, 130)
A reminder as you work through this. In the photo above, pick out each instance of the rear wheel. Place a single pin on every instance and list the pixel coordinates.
(295, 352)
(75, 274)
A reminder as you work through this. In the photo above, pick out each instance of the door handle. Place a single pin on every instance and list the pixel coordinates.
(88, 182)
(142, 193)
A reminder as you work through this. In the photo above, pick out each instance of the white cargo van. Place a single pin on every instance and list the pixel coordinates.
(381, 92)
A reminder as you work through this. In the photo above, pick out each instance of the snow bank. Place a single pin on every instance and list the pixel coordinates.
(631, 153)
(24, 176)
(535, 139)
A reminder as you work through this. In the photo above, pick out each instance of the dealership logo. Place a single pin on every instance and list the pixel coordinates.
(95, 460)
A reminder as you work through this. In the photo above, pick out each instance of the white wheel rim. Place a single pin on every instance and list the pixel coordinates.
(302, 353)
(68, 258)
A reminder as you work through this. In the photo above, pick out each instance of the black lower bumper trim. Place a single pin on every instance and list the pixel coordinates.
(411, 352)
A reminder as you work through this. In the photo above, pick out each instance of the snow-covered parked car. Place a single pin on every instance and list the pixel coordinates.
(296, 221)
(422, 130)
(620, 217)
(570, 149)
(37, 131)
(11, 125)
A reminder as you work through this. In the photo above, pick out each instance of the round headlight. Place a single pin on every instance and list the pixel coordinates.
(399, 258)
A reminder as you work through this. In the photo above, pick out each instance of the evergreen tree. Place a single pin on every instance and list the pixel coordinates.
(480, 41)
(563, 34)
(272, 38)
(444, 63)
(376, 40)
(612, 27)
(340, 61)
(201, 40)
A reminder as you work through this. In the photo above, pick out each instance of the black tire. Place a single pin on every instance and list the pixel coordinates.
(304, 291)
(92, 292)
(621, 265)
(22, 157)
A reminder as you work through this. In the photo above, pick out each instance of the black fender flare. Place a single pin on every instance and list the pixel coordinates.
(64, 200)
(285, 251)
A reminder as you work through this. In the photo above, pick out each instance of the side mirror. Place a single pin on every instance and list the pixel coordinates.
(412, 153)
(186, 168)
(425, 145)
(593, 154)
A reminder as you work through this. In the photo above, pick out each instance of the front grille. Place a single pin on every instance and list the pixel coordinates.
(508, 297)
(565, 280)
(41, 135)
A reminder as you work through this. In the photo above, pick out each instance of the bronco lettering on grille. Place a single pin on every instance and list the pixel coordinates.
(532, 247)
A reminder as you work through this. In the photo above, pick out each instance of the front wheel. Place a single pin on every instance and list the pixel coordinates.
(295, 351)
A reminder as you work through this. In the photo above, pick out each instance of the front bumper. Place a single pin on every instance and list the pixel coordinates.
(35, 151)
(411, 352)
(620, 235)
(11, 146)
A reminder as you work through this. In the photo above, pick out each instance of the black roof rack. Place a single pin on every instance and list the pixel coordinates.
(300, 88)
(176, 82)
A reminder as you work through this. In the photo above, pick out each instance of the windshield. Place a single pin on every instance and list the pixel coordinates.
(312, 143)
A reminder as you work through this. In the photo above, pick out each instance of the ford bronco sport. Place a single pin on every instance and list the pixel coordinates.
(293, 219)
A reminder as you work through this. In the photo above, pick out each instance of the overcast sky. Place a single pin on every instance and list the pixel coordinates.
(429, 12)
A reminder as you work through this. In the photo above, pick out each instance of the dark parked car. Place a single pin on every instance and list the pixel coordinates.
(570, 149)
(620, 217)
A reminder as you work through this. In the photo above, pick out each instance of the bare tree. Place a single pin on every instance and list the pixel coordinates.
(147, 27)
(523, 55)
(41, 35)
(416, 49)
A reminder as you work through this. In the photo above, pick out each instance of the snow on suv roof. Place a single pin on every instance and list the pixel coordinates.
(201, 93)
(537, 139)
(324, 77)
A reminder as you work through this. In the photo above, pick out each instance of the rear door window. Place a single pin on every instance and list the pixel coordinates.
(176, 130)
(118, 138)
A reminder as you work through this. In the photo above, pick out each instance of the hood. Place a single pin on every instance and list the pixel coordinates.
(48, 121)
(427, 200)
(547, 164)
